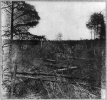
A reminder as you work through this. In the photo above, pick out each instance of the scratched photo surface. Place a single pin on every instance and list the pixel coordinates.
(53, 50)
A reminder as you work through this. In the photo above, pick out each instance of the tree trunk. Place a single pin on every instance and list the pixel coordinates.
(15, 67)
(91, 34)
(12, 21)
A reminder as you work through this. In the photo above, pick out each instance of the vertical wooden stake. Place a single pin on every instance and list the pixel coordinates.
(13, 81)
(41, 43)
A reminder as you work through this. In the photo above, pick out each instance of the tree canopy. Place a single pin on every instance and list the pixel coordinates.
(97, 23)
(20, 17)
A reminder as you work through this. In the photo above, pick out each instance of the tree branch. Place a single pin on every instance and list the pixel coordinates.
(18, 16)
(4, 2)
(6, 26)
(8, 11)
(6, 7)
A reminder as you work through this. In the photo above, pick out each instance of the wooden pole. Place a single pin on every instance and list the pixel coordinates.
(41, 43)
(91, 38)
(91, 34)
(94, 35)
(13, 82)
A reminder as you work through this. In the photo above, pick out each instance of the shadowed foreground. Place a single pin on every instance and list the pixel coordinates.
(54, 70)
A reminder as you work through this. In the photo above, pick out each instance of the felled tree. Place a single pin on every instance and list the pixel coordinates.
(20, 17)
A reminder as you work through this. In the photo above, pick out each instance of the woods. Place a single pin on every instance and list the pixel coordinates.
(97, 23)
(53, 64)
(20, 17)
(35, 67)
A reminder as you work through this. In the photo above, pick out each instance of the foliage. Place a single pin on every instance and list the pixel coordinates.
(23, 17)
(88, 61)
(97, 24)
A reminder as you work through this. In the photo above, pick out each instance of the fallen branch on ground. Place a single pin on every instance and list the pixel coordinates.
(54, 75)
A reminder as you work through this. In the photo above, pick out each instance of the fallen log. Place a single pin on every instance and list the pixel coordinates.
(63, 69)
(37, 77)
(44, 74)
(75, 58)
(54, 75)
(50, 60)
(43, 79)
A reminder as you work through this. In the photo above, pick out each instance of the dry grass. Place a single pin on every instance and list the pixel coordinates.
(63, 88)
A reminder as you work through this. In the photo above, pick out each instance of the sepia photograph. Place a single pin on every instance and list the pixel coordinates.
(53, 49)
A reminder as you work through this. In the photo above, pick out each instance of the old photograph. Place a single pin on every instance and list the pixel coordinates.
(53, 49)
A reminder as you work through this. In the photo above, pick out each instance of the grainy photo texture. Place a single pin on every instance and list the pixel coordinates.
(53, 50)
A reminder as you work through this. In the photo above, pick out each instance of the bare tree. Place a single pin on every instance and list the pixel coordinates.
(59, 36)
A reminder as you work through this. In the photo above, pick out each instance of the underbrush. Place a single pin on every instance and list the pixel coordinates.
(38, 89)
(85, 81)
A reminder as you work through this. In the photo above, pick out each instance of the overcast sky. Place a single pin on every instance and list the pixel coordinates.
(68, 18)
